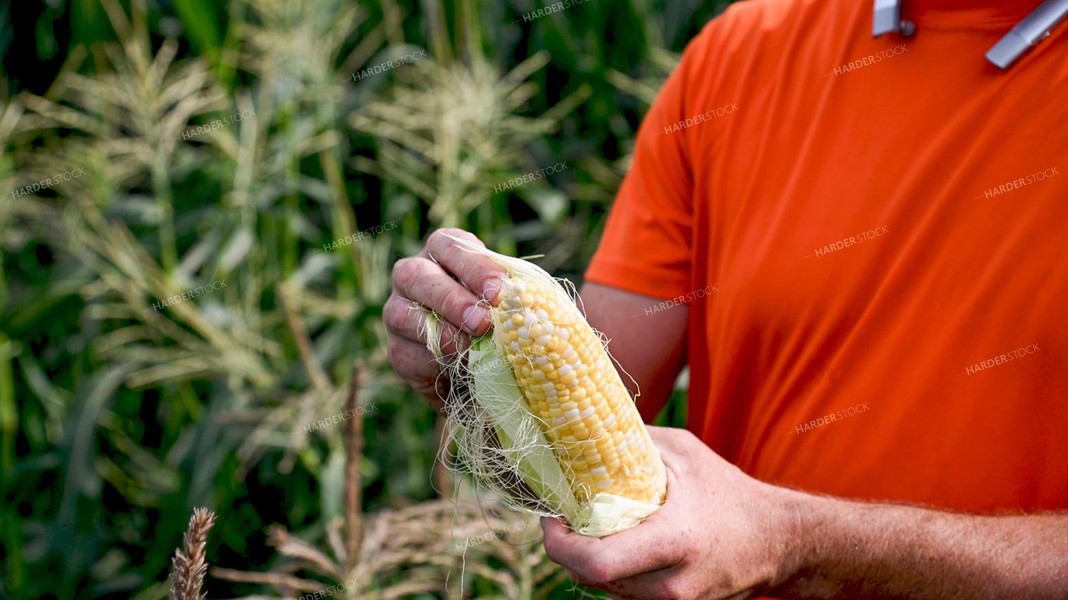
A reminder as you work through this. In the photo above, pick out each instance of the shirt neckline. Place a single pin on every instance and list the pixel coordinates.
(967, 14)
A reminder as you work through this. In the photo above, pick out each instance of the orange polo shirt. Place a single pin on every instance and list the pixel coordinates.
(872, 239)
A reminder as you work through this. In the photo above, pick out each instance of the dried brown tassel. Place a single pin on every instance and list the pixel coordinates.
(189, 564)
(353, 500)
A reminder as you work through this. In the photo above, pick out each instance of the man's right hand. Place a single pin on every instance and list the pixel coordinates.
(450, 281)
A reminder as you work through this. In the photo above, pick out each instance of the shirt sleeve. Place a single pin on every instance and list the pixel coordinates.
(647, 244)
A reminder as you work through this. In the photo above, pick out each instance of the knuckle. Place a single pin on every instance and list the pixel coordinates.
(406, 272)
(395, 314)
(686, 436)
(596, 573)
(442, 243)
(676, 589)
(455, 302)
(436, 237)
(460, 233)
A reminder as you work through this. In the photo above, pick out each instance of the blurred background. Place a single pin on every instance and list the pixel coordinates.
(225, 150)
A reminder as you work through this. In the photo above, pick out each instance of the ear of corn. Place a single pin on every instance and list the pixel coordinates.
(548, 422)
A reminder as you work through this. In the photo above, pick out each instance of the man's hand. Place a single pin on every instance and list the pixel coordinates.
(458, 285)
(718, 535)
(722, 534)
(440, 278)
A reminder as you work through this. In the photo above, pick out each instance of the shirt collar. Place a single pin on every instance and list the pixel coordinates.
(967, 14)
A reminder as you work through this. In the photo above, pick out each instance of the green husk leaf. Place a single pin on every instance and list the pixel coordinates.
(520, 434)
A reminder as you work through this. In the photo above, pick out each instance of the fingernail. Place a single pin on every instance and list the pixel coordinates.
(474, 316)
(491, 289)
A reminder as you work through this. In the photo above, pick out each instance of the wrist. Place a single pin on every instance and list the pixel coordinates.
(801, 522)
(785, 537)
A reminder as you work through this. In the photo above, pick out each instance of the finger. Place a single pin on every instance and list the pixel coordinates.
(600, 561)
(426, 283)
(414, 363)
(663, 583)
(407, 319)
(477, 272)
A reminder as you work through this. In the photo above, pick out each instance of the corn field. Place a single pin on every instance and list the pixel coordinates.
(201, 205)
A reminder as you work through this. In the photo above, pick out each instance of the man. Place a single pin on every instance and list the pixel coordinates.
(878, 376)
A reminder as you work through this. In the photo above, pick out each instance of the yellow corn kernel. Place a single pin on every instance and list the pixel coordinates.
(589, 419)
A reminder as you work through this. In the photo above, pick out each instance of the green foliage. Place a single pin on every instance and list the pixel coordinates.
(119, 414)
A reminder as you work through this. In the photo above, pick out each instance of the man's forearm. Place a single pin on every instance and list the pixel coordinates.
(845, 549)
